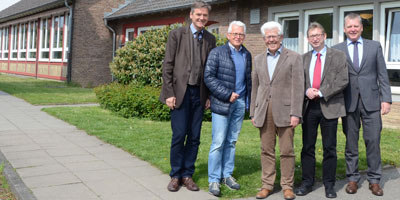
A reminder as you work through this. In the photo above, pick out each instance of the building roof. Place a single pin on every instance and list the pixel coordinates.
(28, 7)
(142, 7)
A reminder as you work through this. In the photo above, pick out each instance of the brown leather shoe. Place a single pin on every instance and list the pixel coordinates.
(190, 184)
(376, 189)
(352, 187)
(288, 194)
(173, 185)
(263, 193)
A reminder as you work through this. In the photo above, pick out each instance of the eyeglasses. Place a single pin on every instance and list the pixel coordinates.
(273, 37)
(315, 36)
(240, 35)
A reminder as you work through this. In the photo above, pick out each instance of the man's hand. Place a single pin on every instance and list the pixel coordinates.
(208, 104)
(252, 121)
(234, 96)
(294, 121)
(385, 108)
(312, 93)
(171, 102)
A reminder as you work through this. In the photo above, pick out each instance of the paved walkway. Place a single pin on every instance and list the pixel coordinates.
(56, 161)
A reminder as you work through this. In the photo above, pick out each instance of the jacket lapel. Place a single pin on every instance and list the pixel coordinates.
(307, 68)
(365, 54)
(281, 60)
(264, 66)
(328, 60)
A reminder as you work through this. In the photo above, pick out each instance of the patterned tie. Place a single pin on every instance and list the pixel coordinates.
(198, 35)
(355, 57)
(317, 73)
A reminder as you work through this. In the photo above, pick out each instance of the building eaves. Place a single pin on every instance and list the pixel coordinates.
(28, 7)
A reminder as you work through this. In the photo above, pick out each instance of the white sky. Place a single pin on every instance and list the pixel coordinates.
(7, 3)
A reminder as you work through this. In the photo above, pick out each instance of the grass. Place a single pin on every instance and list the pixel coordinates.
(150, 141)
(45, 92)
(5, 193)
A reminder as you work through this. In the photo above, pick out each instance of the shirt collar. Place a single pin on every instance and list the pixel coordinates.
(194, 30)
(234, 49)
(322, 52)
(360, 41)
(276, 53)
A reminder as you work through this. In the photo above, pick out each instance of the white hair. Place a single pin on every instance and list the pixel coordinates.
(271, 25)
(237, 23)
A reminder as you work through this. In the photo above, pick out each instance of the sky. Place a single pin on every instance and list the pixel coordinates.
(6, 3)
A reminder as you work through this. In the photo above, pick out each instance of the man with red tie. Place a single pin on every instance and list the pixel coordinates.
(326, 77)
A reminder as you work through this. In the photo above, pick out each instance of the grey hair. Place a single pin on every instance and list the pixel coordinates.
(352, 16)
(237, 23)
(200, 4)
(271, 25)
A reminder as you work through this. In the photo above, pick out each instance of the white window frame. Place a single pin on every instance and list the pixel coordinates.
(1, 42)
(127, 31)
(32, 24)
(5, 48)
(65, 51)
(214, 27)
(14, 41)
(344, 9)
(41, 49)
(22, 41)
(146, 28)
(307, 14)
(59, 47)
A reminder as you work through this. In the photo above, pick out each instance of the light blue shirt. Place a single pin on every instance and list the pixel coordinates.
(239, 59)
(272, 60)
(194, 30)
(350, 47)
(313, 62)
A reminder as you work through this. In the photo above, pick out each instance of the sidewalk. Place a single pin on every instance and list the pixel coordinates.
(56, 161)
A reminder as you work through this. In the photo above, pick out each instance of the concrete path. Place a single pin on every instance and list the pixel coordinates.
(56, 161)
(52, 160)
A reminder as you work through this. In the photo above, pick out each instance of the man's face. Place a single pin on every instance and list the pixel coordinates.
(236, 36)
(273, 40)
(316, 39)
(199, 17)
(353, 29)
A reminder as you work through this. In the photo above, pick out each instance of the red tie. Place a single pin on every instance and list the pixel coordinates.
(317, 73)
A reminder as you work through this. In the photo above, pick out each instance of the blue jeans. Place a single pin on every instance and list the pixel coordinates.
(225, 132)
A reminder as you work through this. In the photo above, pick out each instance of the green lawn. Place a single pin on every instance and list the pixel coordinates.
(45, 92)
(150, 141)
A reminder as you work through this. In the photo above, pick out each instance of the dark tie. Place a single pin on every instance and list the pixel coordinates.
(355, 57)
(198, 35)
(317, 72)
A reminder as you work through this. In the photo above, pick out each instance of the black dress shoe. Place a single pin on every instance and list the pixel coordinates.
(330, 192)
(303, 190)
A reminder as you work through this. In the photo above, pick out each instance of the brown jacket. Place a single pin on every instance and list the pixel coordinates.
(333, 81)
(285, 90)
(177, 61)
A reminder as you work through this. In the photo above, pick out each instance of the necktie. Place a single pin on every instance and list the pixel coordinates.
(198, 35)
(317, 73)
(355, 57)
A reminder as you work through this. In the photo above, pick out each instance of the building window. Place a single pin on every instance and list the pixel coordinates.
(325, 18)
(290, 26)
(32, 39)
(393, 35)
(57, 38)
(142, 30)
(5, 44)
(66, 37)
(14, 42)
(23, 35)
(1, 42)
(366, 14)
(45, 39)
(213, 28)
(129, 34)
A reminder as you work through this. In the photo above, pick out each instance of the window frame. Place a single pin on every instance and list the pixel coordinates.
(307, 47)
(344, 9)
(146, 28)
(6, 43)
(65, 32)
(22, 41)
(14, 42)
(35, 37)
(127, 31)
(59, 47)
(41, 49)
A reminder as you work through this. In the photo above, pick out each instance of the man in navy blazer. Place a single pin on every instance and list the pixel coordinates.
(366, 97)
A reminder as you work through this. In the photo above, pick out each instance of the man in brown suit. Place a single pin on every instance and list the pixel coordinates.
(276, 107)
(326, 77)
(185, 93)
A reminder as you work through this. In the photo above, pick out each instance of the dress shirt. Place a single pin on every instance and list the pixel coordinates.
(350, 47)
(272, 60)
(194, 30)
(312, 65)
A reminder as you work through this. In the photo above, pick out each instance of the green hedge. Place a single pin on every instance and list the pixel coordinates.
(134, 101)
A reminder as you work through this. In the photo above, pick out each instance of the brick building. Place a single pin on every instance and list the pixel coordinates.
(101, 26)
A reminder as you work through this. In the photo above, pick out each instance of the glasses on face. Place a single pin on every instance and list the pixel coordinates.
(240, 35)
(272, 37)
(316, 36)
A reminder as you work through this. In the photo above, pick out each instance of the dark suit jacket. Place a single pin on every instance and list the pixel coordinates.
(371, 83)
(333, 81)
(285, 89)
(177, 61)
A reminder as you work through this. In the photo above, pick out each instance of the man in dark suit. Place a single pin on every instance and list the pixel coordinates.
(366, 97)
(326, 76)
(276, 101)
(185, 94)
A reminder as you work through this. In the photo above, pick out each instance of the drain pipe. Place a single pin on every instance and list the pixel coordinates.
(70, 22)
(113, 49)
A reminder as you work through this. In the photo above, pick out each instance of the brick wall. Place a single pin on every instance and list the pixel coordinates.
(91, 42)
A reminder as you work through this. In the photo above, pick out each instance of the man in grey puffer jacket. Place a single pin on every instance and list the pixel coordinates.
(228, 77)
